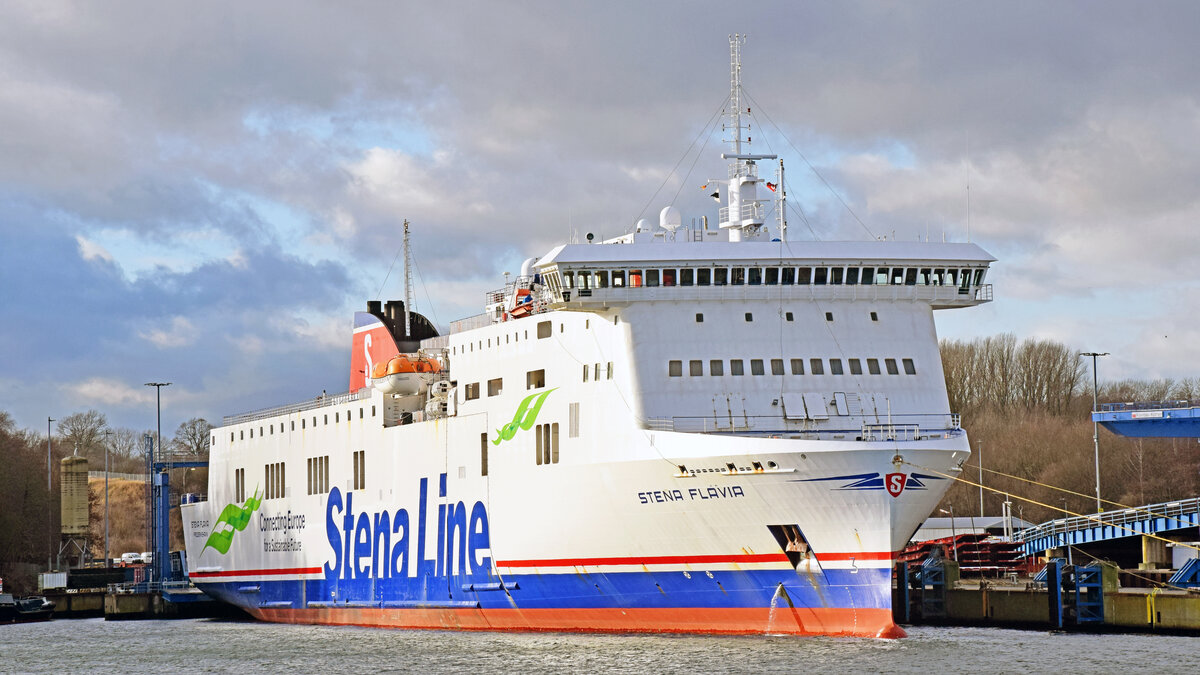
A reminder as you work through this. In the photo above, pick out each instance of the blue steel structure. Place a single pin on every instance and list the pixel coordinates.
(1150, 519)
(1151, 419)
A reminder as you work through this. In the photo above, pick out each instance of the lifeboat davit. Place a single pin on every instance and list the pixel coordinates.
(405, 374)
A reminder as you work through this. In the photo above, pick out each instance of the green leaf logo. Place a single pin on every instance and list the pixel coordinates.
(233, 519)
(525, 418)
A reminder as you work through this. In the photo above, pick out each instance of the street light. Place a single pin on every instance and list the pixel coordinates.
(1095, 425)
(49, 505)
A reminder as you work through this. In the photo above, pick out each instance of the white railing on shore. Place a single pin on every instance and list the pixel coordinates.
(117, 476)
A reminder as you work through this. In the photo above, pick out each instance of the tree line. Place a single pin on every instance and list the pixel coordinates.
(30, 510)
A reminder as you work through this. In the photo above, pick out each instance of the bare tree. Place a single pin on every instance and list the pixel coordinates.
(192, 437)
(83, 432)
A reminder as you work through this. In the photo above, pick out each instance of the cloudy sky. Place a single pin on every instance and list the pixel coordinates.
(203, 193)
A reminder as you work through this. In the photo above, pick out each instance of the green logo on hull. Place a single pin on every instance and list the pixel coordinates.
(233, 519)
(525, 418)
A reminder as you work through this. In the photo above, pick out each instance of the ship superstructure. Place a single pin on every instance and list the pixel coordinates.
(679, 429)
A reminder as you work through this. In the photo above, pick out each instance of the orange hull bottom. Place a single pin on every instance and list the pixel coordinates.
(872, 623)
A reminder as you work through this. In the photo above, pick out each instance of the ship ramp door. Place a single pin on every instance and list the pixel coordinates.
(795, 546)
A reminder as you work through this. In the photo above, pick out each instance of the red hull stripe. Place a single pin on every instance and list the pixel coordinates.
(754, 620)
(257, 573)
(690, 559)
(648, 560)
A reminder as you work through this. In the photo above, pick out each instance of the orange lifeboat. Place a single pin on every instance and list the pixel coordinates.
(522, 303)
(405, 374)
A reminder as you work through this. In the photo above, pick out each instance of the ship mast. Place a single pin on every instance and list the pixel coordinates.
(743, 216)
(407, 284)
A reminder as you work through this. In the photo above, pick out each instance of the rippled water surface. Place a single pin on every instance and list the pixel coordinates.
(207, 645)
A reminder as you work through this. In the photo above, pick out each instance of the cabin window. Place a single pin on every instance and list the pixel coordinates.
(738, 276)
(938, 277)
(568, 280)
(749, 316)
(544, 329)
(777, 366)
(926, 277)
(821, 276)
(535, 379)
(978, 277)
(772, 277)
(652, 277)
(756, 367)
(583, 280)
(668, 277)
(231, 437)
(788, 316)
(587, 371)
(856, 366)
(910, 277)
(573, 420)
(788, 276)
(472, 391)
(674, 368)
(610, 371)
(836, 275)
(874, 316)
(873, 366)
(829, 316)
(720, 276)
(554, 443)
(318, 475)
(851, 276)
(699, 317)
(716, 367)
(602, 279)
(687, 277)
(703, 277)
(835, 366)
(804, 276)
(596, 373)
(618, 279)
(537, 449)
(496, 386)
(910, 368)
(797, 366)
(736, 368)
(360, 469)
(890, 364)
(336, 418)
(635, 278)
(868, 276)
(816, 367)
(897, 276)
(755, 276)
(695, 367)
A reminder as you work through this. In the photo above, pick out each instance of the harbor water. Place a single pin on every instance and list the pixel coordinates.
(219, 646)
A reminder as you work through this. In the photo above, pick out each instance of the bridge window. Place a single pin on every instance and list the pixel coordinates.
(736, 368)
(674, 369)
(910, 368)
(910, 277)
(652, 277)
(890, 364)
(772, 278)
(836, 275)
(978, 277)
(568, 280)
(703, 277)
(687, 277)
(618, 279)
(868, 276)
(804, 276)
(755, 276)
(788, 276)
(668, 277)
(738, 276)
(602, 279)
(635, 278)
(851, 276)
(821, 277)
(716, 367)
(720, 276)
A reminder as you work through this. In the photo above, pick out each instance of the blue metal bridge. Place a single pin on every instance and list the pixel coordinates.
(1109, 525)
(1151, 419)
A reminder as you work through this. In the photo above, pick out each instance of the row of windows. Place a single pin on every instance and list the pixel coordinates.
(270, 428)
(534, 379)
(275, 480)
(544, 330)
(594, 370)
(318, 475)
(787, 316)
(737, 367)
(770, 276)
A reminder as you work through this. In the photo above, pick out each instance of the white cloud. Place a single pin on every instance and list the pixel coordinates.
(90, 250)
(101, 391)
(181, 334)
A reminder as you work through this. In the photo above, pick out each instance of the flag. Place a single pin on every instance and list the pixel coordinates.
(716, 196)
(771, 186)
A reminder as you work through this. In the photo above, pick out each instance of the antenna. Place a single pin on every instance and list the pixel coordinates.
(735, 88)
(781, 201)
(407, 283)
(968, 187)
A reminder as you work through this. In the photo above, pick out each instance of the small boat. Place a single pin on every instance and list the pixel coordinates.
(35, 608)
(405, 374)
(8, 608)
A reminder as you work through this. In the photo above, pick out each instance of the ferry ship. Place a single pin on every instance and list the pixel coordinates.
(695, 430)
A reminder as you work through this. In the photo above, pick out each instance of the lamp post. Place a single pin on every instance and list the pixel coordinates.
(981, 480)
(1095, 425)
(49, 504)
(107, 558)
(158, 441)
